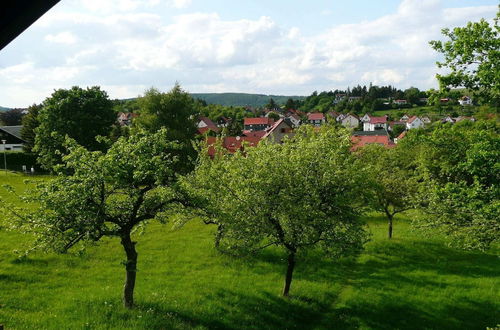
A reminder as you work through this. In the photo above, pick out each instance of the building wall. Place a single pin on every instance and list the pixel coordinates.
(11, 147)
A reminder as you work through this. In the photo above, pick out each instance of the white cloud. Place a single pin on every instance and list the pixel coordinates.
(180, 3)
(131, 48)
(62, 38)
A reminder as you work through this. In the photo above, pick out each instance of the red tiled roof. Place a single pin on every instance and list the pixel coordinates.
(203, 130)
(232, 143)
(360, 141)
(402, 135)
(208, 122)
(412, 118)
(315, 116)
(258, 134)
(258, 121)
(378, 120)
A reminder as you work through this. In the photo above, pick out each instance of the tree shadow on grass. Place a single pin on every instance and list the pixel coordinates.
(390, 314)
(404, 285)
(265, 311)
(410, 256)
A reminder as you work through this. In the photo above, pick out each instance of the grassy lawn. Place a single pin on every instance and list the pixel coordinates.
(408, 283)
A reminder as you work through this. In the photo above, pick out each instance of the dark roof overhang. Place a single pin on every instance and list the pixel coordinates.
(17, 15)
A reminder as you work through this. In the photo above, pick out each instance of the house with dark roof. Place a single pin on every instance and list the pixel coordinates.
(12, 137)
(223, 121)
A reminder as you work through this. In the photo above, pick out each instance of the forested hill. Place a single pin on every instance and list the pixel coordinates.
(242, 99)
(4, 109)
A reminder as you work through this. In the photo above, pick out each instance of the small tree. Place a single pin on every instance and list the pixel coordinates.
(107, 195)
(285, 195)
(392, 186)
(460, 180)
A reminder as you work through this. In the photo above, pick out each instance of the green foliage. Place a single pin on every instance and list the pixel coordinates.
(11, 117)
(285, 195)
(30, 123)
(271, 104)
(105, 195)
(274, 115)
(410, 282)
(242, 99)
(472, 53)
(391, 184)
(16, 160)
(176, 111)
(397, 130)
(81, 114)
(461, 175)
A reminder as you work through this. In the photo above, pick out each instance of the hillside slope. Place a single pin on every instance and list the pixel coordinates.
(242, 99)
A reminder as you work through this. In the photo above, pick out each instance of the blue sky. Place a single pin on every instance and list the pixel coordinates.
(270, 47)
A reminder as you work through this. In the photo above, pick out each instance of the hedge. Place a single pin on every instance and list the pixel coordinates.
(16, 160)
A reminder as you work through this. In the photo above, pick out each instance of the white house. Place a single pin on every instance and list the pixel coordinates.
(278, 131)
(426, 120)
(465, 100)
(448, 119)
(316, 118)
(294, 119)
(414, 122)
(350, 121)
(365, 118)
(375, 123)
(205, 124)
(404, 118)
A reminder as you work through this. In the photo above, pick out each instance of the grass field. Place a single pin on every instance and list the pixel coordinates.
(407, 283)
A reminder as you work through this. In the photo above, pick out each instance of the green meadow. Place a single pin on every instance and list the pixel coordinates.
(410, 282)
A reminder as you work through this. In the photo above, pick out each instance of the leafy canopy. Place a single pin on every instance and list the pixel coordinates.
(472, 53)
(296, 195)
(460, 176)
(106, 194)
(81, 114)
(176, 111)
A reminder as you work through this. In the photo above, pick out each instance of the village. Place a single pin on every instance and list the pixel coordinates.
(366, 129)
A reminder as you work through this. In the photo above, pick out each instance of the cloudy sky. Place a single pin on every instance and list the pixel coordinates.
(286, 47)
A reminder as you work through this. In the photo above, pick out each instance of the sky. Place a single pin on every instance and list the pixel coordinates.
(283, 47)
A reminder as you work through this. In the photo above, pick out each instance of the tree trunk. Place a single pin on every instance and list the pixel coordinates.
(289, 273)
(131, 270)
(218, 235)
(390, 226)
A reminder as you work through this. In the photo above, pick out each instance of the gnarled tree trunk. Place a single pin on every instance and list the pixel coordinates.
(289, 273)
(131, 270)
